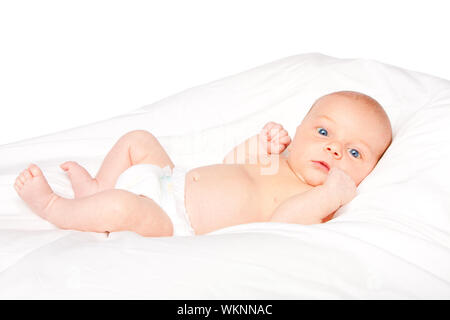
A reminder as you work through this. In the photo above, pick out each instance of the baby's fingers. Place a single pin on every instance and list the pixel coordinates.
(283, 133)
(269, 125)
(275, 131)
(278, 135)
(282, 138)
(279, 144)
(276, 148)
(273, 128)
(285, 140)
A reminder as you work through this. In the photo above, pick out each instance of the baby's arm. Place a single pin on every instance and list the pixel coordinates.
(273, 139)
(315, 205)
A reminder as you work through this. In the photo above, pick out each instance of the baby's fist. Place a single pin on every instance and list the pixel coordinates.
(274, 138)
(340, 186)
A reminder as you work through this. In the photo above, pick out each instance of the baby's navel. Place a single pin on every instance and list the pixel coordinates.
(195, 176)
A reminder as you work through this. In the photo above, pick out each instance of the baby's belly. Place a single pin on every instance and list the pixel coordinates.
(218, 196)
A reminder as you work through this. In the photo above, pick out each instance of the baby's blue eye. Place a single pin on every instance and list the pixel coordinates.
(322, 131)
(354, 153)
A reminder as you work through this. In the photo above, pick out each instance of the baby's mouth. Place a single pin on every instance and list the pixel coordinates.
(323, 165)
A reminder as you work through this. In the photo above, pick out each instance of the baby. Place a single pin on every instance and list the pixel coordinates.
(335, 147)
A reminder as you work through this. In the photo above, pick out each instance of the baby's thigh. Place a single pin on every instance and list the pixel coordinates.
(145, 148)
(154, 221)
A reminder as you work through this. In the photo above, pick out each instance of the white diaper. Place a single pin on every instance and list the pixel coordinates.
(164, 186)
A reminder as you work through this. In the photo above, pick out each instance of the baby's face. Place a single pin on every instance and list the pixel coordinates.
(341, 132)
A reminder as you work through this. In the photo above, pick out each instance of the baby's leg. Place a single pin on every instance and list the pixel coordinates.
(106, 211)
(134, 147)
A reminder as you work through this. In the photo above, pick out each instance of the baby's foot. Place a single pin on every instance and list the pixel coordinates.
(34, 189)
(83, 184)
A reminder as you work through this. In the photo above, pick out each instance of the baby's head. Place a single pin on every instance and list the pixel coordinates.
(346, 129)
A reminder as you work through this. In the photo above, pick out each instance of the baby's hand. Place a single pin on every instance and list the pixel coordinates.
(274, 138)
(340, 186)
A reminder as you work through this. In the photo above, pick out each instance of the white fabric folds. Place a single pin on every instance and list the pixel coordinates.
(391, 241)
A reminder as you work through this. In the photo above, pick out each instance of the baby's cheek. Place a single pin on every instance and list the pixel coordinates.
(357, 177)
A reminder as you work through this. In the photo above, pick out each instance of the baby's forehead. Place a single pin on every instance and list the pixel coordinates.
(348, 104)
(350, 119)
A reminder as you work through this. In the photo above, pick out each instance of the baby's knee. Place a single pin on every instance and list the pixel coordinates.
(139, 136)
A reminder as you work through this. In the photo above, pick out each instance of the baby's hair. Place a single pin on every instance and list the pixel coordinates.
(353, 95)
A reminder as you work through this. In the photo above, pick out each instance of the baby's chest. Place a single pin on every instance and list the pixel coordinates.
(237, 190)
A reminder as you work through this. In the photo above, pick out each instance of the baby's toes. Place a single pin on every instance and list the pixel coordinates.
(18, 184)
(21, 179)
(24, 176)
(68, 165)
(35, 170)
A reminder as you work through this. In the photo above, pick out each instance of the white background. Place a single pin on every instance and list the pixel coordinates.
(65, 64)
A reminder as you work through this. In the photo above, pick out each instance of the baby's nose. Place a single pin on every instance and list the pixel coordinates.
(335, 151)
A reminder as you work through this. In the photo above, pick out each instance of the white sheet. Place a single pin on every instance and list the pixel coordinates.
(391, 241)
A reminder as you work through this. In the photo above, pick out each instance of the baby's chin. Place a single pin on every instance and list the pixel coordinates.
(313, 179)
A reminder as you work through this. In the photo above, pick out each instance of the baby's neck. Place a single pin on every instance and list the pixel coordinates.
(284, 168)
(297, 175)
